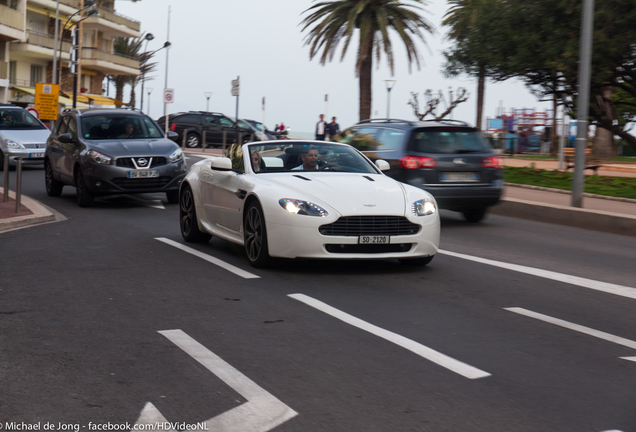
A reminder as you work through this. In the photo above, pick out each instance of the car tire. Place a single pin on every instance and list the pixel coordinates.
(84, 197)
(193, 140)
(474, 215)
(419, 262)
(255, 237)
(53, 187)
(173, 196)
(188, 222)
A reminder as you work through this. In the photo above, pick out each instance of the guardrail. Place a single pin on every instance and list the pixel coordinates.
(11, 18)
(91, 53)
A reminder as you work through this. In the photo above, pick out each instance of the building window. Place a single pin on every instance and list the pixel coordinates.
(36, 75)
(13, 71)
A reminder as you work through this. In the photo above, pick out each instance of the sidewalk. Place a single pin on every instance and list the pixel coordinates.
(613, 215)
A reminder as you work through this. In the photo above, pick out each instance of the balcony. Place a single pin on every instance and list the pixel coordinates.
(109, 63)
(41, 46)
(11, 24)
(116, 24)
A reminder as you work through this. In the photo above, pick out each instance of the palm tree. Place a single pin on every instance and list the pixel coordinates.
(334, 21)
(130, 47)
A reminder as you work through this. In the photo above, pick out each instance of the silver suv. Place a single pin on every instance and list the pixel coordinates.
(21, 136)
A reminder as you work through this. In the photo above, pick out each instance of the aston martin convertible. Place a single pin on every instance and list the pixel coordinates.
(307, 199)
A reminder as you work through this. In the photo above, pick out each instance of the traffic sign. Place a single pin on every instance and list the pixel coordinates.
(235, 87)
(168, 95)
(46, 100)
(34, 112)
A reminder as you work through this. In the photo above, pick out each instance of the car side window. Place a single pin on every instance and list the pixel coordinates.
(389, 139)
(72, 127)
(58, 124)
(63, 126)
(364, 139)
(226, 122)
(211, 120)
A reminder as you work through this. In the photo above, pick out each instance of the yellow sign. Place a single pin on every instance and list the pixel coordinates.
(46, 100)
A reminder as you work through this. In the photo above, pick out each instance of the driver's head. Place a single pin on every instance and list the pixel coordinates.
(8, 117)
(130, 128)
(310, 159)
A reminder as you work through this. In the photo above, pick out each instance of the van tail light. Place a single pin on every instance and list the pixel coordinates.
(173, 127)
(417, 162)
(492, 162)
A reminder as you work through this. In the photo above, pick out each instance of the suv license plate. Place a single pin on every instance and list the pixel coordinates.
(459, 177)
(373, 239)
(36, 155)
(143, 174)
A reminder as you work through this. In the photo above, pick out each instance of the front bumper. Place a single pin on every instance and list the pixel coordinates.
(111, 179)
(29, 156)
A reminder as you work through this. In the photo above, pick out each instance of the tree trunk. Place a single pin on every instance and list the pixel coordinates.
(366, 68)
(603, 148)
(481, 84)
(119, 88)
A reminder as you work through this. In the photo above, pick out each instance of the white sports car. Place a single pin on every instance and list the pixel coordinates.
(307, 199)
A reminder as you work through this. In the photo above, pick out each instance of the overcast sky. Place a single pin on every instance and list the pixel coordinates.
(214, 41)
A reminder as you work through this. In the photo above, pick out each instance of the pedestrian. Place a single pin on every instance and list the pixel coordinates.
(333, 129)
(321, 128)
(276, 128)
(281, 127)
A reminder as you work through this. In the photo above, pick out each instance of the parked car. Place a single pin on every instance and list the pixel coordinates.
(112, 151)
(21, 136)
(258, 126)
(217, 127)
(448, 158)
(307, 199)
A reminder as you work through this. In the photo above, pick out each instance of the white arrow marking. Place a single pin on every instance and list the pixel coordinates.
(456, 366)
(629, 358)
(262, 411)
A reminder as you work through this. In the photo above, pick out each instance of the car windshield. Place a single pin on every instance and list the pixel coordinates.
(118, 126)
(256, 124)
(448, 140)
(308, 157)
(18, 119)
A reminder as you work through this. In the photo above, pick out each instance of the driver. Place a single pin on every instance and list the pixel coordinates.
(310, 160)
(8, 119)
(129, 131)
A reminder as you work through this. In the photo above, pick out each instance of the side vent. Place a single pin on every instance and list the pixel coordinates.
(368, 178)
(301, 177)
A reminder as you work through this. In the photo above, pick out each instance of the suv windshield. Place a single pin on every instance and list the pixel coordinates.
(448, 140)
(18, 119)
(118, 126)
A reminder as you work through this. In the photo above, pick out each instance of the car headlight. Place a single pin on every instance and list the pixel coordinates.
(14, 144)
(302, 207)
(423, 207)
(176, 156)
(99, 158)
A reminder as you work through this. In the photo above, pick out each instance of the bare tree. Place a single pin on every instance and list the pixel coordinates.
(433, 100)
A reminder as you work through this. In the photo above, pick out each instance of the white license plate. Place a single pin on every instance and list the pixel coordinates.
(143, 174)
(459, 176)
(36, 155)
(373, 239)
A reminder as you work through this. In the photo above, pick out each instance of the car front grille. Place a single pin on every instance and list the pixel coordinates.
(368, 248)
(353, 226)
(142, 183)
(154, 162)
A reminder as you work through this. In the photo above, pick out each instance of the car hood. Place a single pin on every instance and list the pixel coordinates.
(26, 136)
(347, 193)
(132, 147)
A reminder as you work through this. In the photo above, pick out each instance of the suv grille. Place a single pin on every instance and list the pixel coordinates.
(154, 162)
(142, 183)
(353, 226)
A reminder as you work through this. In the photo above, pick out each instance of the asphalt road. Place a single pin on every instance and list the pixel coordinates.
(469, 343)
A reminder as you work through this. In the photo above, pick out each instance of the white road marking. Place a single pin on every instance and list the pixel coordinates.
(229, 267)
(579, 328)
(262, 411)
(419, 349)
(610, 288)
(629, 358)
(150, 415)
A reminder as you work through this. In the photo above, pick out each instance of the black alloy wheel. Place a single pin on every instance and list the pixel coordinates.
(416, 261)
(188, 218)
(192, 140)
(53, 187)
(474, 215)
(255, 235)
(84, 197)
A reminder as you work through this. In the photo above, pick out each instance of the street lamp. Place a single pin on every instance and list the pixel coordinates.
(207, 96)
(149, 91)
(389, 86)
(143, 75)
(148, 37)
(87, 4)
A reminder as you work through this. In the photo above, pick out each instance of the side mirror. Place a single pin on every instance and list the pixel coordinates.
(382, 165)
(221, 164)
(66, 138)
(173, 136)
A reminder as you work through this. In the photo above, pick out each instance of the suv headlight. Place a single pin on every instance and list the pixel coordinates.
(176, 156)
(13, 144)
(423, 207)
(302, 207)
(99, 158)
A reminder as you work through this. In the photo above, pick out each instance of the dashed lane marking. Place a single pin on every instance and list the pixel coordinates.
(419, 349)
(229, 267)
(610, 288)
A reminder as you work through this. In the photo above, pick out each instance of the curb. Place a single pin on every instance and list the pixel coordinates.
(567, 192)
(40, 214)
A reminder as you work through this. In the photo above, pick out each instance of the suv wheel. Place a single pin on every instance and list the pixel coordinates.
(192, 140)
(84, 197)
(474, 215)
(53, 187)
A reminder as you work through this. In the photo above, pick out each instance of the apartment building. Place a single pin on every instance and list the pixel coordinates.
(30, 55)
(12, 27)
